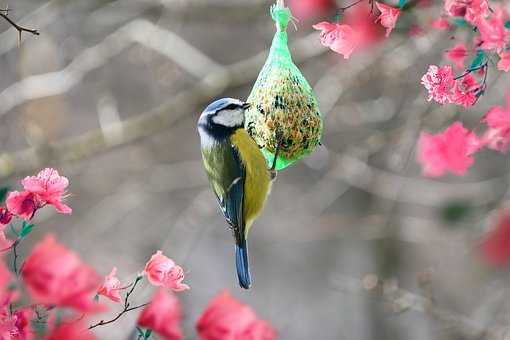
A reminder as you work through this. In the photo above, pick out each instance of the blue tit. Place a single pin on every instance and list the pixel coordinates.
(237, 172)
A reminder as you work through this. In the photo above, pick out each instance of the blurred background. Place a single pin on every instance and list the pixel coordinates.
(353, 244)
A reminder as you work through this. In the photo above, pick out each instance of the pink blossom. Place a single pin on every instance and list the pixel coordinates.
(464, 91)
(493, 32)
(457, 54)
(5, 217)
(23, 204)
(15, 325)
(497, 139)
(163, 315)
(477, 9)
(497, 136)
(49, 187)
(340, 38)
(495, 248)
(111, 287)
(162, 271)
(451, 151)
(440, 24)
(360, 18)
(504, 62)
(439, 81)
(388, 17)
(226, 318)
(309, 9)
(54, 275)
(471, 10)
(456, 8)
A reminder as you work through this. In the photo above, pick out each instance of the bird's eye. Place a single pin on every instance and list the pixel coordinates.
(231, 107)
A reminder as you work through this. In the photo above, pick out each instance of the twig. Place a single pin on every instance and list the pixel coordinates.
(349, 6)
(4, 13)
(15, 257)
(402, 300)
(124, 311)
(19, 28)
(469, 70)
(41, 17)
(127, 307)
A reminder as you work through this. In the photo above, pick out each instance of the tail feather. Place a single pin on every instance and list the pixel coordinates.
(242, 265)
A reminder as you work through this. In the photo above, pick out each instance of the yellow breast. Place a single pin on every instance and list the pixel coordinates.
(257, 182)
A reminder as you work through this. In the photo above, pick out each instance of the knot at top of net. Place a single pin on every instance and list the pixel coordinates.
(281, 15)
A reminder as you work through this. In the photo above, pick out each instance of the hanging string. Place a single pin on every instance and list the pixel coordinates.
(280, 4)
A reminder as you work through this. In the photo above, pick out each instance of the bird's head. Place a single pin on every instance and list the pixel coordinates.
(223, 116)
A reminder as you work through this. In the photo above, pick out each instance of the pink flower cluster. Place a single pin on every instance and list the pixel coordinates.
(357, 30)
(493, 34)
(444, 88)
(493, 37)
(64, 291)
(471, 10)
(163, 315)
(223, 318)
(13, 325)
(453, 149)
(47, 188)
(226, 318)
(54, 277)
(497, 136)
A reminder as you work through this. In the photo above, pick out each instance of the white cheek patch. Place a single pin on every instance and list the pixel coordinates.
(229, 118)
(207, 141)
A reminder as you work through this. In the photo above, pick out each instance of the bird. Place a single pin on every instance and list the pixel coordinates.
(237, 172)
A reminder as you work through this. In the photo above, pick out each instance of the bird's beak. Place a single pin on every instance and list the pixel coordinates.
(246, 106)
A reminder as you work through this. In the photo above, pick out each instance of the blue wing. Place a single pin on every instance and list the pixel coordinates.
(232, 203)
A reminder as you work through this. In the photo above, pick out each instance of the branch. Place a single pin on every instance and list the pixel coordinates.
(401, 300)
(127, 306)
(19, 28)
(4, 13)
(142, 125)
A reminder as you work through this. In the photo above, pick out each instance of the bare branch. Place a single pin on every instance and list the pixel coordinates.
(401, 300)
(127, 306)
(4, 13)
(134, 128)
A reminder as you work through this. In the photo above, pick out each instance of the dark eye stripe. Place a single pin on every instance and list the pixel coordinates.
(231, 107)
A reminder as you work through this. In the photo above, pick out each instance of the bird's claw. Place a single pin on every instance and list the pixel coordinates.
(272, 174)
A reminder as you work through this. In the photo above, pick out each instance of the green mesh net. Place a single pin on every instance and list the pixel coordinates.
(284, 108)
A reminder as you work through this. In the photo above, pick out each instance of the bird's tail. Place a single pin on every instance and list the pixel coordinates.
(242, 265)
